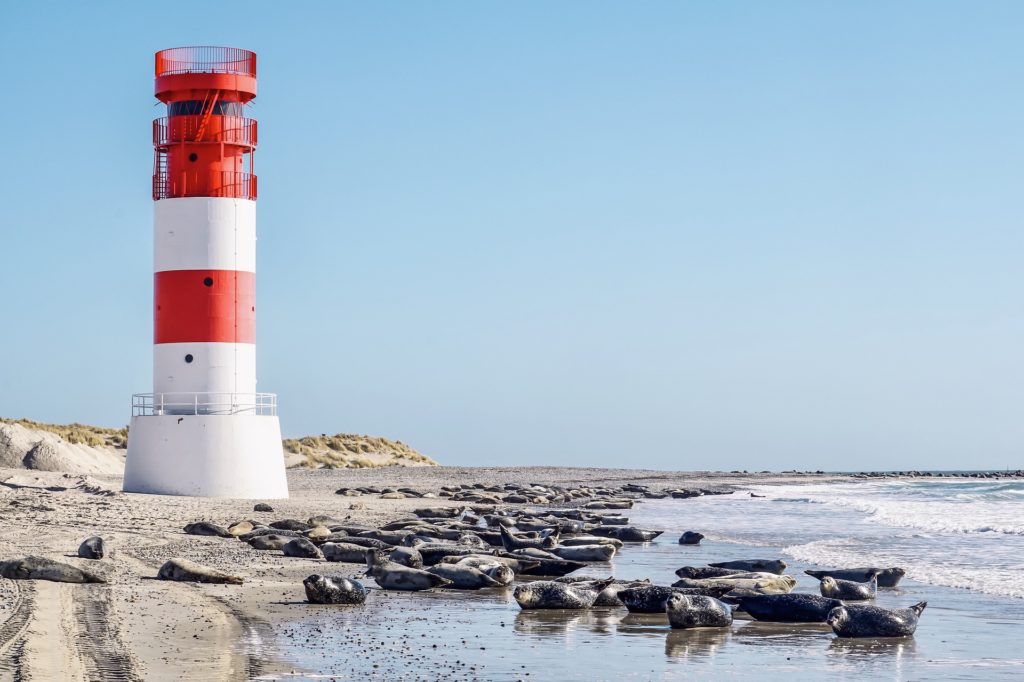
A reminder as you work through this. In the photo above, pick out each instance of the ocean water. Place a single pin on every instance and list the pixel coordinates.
(960, 541)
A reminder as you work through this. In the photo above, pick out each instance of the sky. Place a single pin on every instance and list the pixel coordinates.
(675, 235)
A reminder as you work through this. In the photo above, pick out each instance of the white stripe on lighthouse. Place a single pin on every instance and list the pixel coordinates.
(204, 233)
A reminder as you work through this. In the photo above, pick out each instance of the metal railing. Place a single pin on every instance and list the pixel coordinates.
(227, 129)
(156, 404)
(231, 184)
(205, 59)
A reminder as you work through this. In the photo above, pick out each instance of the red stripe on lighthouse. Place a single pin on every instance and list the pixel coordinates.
(213, 306)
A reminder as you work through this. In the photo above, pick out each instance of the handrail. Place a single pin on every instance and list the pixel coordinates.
(230, 184)
(227, 129)
(156, 404)
(205, 59)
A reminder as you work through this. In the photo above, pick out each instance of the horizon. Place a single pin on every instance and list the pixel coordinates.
(782, 238)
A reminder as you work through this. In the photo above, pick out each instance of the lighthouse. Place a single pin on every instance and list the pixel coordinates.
(205, 430)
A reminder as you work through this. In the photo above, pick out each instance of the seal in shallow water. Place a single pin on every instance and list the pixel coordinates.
(686, 611)
(392, 576)
(887, 577)
(874, 621)
(767, 565)
(690, 538)
(652, 598)
(784, 608)
(333, 590)
(463, 577)
(547, 594)
(847, 589)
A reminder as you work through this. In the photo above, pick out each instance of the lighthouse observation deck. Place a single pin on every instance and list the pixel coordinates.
(205, 59)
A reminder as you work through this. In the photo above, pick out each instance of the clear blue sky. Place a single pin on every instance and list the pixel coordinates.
(666, 234)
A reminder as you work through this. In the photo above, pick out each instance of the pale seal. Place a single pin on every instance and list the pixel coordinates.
(183, 570)
(41, 568)
(344, 551)
(463, 577)
(585, 552)
(874, 621)
(765, 583)
(686, 611)
(333, 590)
(392, 576)
(847, 589)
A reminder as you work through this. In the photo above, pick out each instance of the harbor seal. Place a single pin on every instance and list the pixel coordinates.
(585, 552)
(765, 583)
(207, 528)
(270, 541)
(626, 533)
(463, 577)
(407, 556)
(698, 572)
(609, 596)
(545, 567)
(652, 598)
(690, 538)
(874, 621)
(301, 548)
(333, 590)
(183, 570)
(886, 577)
(392, 576)
(686, 611)
(344, 551)
(767, 565)
(92, 548)
(513, 542)
(784, 608)
(40, 568)
(547, 594)
(847, 589)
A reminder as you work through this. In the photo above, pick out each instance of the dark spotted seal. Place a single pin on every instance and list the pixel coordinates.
(333, 590)
(546, 594)
(767, 565)
(690, 538)
(887, 577)
(652, 598)
(686, 611)
(92, 548)
(874, 621)
(784, 608)
(700, 572)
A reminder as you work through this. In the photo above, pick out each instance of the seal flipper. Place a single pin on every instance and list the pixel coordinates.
(919, 607)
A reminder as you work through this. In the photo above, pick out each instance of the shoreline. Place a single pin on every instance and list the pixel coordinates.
(137, 627)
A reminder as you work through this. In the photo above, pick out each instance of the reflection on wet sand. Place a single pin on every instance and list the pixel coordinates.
(546, 622)
(872, 647)
(696, 643)
(761, 633)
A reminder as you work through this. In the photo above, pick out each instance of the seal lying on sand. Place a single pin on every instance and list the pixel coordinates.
(301, 548)
(765, 583)
(512, 542)
(699, 572)
(463, 577)
(690, 538)
(847, 589)
(887, 577)
(344, 551)
(874, 621)
(407, 556)
(686, 611)
(41, 568)
(767, 565)
(333, 590)
(92, 548)
(183, 570)
(392, 576)
(545, 594)
(207, 528)
(585, 552)
(609, 596)
(270, 541)
(784, 608)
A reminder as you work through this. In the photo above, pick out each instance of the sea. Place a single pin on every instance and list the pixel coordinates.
(961, 542)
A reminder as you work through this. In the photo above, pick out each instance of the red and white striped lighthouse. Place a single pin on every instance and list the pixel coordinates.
(205, 430)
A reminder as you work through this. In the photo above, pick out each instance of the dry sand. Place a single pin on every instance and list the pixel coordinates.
(136, 627)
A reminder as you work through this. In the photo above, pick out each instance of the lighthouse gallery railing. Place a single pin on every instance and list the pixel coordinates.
(156, 404)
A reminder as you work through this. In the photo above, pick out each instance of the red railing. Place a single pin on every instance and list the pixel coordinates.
(227, 129)
(205, 59)
(230, 184)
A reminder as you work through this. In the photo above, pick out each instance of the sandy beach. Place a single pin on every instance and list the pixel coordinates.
(136, 627)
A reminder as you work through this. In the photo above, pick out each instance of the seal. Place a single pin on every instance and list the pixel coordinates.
(548, 594)
(784, 608)
(698, 572)
(545, 567)
(40, 568)
(768, 565)
(512, 542)
(92, 548)
(887, 577)
(463, 577)
(183, 570)
(626, 533)
(301, 548)
(609, 596)
(690, 538)
(333, 590)
(344, 551)
(847, 589)
(694, 611)
(652, 598)
(585, 552)
(433, 552)
(765, 583)
(407, 556)
(589, 540)
(270, 541)
(392, 576)
(486, 561)
(874, 621)
(207, 528)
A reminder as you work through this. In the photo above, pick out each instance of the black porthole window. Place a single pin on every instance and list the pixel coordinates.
(189, 358)
(208, 281)
(193, 157)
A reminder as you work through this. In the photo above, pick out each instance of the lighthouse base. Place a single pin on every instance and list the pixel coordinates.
(236, 455)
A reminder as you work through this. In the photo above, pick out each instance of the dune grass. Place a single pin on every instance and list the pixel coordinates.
(78, 434)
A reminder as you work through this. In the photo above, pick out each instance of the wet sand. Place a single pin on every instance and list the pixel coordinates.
(135, 627)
